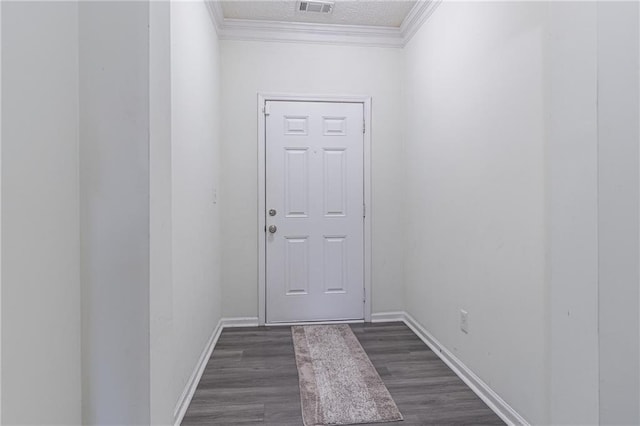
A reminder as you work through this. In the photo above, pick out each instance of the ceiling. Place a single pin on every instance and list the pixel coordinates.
(389, 13)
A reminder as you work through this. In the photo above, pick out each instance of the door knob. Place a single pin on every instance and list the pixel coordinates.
(273, 229)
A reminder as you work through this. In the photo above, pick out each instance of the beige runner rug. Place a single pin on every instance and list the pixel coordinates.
(338, 383)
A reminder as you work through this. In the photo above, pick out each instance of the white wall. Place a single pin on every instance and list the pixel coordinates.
(475, 185)
(523, 138)
(149, 168)
(195, 127)
(40, 256)
(618, 138)
(114, 211)
(269, 67)
(0, 214)
(102, 73)
(572, 213)
(161, 398)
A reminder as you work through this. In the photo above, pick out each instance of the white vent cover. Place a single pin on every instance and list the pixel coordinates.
(316, 6)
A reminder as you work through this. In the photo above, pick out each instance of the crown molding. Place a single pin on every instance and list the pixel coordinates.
(357, 35)
(240, 29)
(416, 17)
(216, 14)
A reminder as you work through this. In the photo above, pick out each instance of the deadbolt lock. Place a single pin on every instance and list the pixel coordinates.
(272, 212)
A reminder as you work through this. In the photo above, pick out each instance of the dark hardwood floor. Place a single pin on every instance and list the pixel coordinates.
(252, 378)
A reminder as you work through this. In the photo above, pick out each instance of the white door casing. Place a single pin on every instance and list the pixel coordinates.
(314, 185)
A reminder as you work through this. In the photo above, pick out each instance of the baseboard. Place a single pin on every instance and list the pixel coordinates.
(239, 322)
(492, 399)
(192, 384)
(387, 316)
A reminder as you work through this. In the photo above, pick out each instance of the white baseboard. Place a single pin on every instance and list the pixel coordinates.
(192, 384)
(492, 399)
(239, 322)
(388, 316)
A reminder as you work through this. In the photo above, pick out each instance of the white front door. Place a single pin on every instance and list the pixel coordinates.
(314, 211)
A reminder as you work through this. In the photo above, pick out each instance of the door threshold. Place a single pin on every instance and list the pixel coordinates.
(323, 322)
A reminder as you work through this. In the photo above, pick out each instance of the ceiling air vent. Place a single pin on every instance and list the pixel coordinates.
(316, 6)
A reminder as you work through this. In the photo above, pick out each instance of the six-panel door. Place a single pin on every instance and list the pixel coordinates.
(314, 202)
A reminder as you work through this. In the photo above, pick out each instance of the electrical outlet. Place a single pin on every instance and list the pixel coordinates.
(464, 321)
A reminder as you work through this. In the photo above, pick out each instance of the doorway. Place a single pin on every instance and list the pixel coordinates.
(314, 228)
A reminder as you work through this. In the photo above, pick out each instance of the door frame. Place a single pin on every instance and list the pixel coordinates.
(366, 103)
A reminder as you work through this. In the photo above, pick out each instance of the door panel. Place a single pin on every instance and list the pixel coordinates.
(335, 182)
(296, 184)
(314, 183)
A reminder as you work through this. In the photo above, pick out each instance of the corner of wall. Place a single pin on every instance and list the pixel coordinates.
(195, 180)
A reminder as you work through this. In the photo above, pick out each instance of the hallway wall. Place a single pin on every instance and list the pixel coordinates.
(40, 202)
(475, 208)
(572, 213)
(161, 354)
(523, 123)
(299, 68)
(108, 183)
(618, 212)
(115, 211)
(196, 164)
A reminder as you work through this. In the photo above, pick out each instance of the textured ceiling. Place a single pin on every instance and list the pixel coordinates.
(388, 13)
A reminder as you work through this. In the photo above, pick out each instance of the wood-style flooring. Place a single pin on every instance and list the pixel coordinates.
(251, 379)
